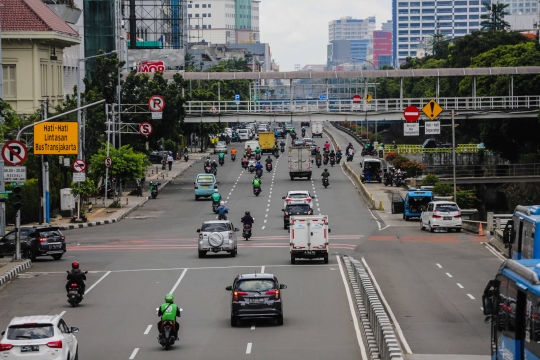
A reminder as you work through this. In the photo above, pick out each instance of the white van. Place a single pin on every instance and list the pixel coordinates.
(244, 134)
(309, 237)
(317, 129)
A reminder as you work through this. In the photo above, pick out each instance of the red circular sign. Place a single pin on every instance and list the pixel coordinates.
(411, 114)
(14, 152)
(356, 98)
(79, 165)
(145, 129)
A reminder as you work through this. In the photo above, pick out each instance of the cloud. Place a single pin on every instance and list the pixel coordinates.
(297, 30)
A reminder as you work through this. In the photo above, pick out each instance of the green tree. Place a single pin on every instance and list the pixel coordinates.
(443, 189)
(10, 119)
(430, 180)
(495, 19)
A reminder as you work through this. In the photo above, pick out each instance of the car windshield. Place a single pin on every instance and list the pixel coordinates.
(257, 285)
(30, 331)
(221, 143)
(210, 227)
(447, 207)
(297, 209)
(298, 143)
(205, 179)
(46, 234)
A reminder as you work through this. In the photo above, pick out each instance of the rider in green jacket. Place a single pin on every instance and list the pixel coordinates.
(168, 312)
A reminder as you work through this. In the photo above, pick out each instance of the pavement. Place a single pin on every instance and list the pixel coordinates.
(431, 283)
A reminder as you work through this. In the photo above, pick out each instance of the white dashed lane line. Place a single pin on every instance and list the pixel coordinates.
(449, 275)
(147, 330)
(439, 265)
(459, 285)
(469, 295)
(134, 353)
(263, 227)
(248, 349)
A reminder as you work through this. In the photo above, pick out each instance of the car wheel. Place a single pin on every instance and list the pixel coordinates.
(406, 217)
(280, 320)
(458, 230)
(325, 257)
(233, 253)
(431, 229)
(392, 209)
(28, 254)
(196, 198)
(285, 226)
(234, 321)
(202, 254)
(293, 259)
(57, 256)
(309, 178)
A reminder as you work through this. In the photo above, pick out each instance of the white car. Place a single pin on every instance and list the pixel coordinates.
(298, 197)
(441, 215)
(216, 236)
(221, 146)
(39, 337)
(244, 134)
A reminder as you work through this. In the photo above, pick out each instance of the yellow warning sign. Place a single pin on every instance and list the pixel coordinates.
(432, 109)
(368, 98)
(56, 138)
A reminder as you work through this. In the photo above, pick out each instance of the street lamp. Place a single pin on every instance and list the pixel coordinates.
(79, 94)
(366, 93)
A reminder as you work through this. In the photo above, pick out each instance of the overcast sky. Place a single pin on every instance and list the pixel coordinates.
(297, 30)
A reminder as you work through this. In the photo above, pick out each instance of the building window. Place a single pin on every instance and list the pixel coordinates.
(209, 15)
(415, 11)
(474, 2)
(209, 5)
(415, 25)
(415, 4)
(444, 3)
(428, 3)
(196, 15)
(428, 11)
(403, 11)
(474, 23)
(460, 3)
(428, 18)
(460, 17)
(204, 26)
(413, 53)
(414, 46)
(403, 46)
(444, 10)
(203, 15)
(427, 32)
(474, 16)
(403, 39)
(415, 32)
(473, 9)
(401, 26)
(190, 6)
(403, 32)
(190, 15)
(204, 6)
(444, 17)
(446, 32)
(403, 18)
(460, 24)
(10, 88)
(415, 39)
(209, 26)
(461, 31)
(403, 53)
(415, 18)
(428, 25)
(445, 24)
(43, 79)
(196, 6)
(461, 10)
(403, 4)
(196, 26)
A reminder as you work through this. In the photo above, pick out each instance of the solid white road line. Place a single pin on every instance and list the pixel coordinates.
(248, 349)
(499, 256)
(439, 265)
(62, 313)
(134, 353)
(178, 282)
(97, 282)
(469, 295)
(147, 330)
(262, 269)
(392, 316)
(449, 275)
(253, 326)
(353, 312)
(459, 285)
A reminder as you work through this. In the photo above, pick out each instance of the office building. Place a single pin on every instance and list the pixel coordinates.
(223, 21)
(382, 46)
(415, 21)
(350, 41)
(520, 7)
(387, 26)
(348, 28)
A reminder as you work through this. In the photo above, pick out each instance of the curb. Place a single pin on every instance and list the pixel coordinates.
(121, 216)
(11, 274)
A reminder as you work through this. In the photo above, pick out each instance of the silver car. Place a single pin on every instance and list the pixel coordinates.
(221, 146)
(216, 236)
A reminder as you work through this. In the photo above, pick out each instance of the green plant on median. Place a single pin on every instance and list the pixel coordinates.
(127, 164)
(390, 156)
(443, 189)
(430, 180)
(466, 199)
(115, 204)
(412, 168)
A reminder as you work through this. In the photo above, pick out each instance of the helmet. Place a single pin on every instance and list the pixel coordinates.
(247, 212)
(222, 203)
(169, 298)
(213, 161)
(338, 149)
(325, 169)
(216, 190)
(75, 265)
(208, 157)
(257, 147)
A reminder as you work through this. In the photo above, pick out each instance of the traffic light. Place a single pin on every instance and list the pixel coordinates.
(17, 197)
(109, 94)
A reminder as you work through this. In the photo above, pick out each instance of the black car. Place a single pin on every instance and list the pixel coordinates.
(35, 241)
(304, 123)
(256, 295)
(432, 144)
(295, 209)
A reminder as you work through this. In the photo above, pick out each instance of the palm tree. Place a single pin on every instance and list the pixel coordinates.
(495, 19)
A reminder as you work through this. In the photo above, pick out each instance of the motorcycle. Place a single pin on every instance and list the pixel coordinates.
(214, 206)
(251, 168)
(257, 190)
(246, 233)
(268, 167)
(276, 154)
(207, 169)
(349, 158)
(368, 152)
(166, 336)
(283, 149)
(233, 157)
(259, 173)
(154, 189)
(222, 217)
(338, 159)
(325, 160)
(332, 161)
(74, 293)
(257, 157)
(398, 180)
(303, 133)
(388, 180)
(221, 161)
(214, 171)
(245, 165)
(318, 162)
(186, 157)
(325, 182)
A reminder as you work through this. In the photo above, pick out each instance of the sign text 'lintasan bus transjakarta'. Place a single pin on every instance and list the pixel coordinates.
(56, 138)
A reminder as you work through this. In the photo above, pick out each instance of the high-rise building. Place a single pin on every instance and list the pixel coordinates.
(387, 26)
(382, 46)
(519, 7)
(223, 21)
(416, 21)
(348, 28)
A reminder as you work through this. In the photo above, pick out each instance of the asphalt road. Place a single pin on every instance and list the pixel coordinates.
(134, 263)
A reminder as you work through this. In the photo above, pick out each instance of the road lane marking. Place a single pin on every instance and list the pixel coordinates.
(147, 330)
(459, 285)
(499, 256)
(97, 282)
(62, 313)
(178, 282)
(439, 265)
(262, 269)
(265, 221)
(253, 326)
(263, 227)
(353, 312)
(469, 295)
(318, 209)
(248, 349)
(390, 312)
(134, 353)
(449, 275)
(266, 215)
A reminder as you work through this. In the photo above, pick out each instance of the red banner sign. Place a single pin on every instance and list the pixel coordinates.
(151, 66)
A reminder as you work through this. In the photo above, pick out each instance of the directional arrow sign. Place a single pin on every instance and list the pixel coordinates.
(145, 129)
(411, 114)
(14, 152)
(156, 103)
(79, 165)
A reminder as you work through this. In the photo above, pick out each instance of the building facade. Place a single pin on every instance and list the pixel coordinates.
(415, 21)
(382, 46)
(223, 21)
(33, 42)
(519, 7)
(348, 28)
(387, 26)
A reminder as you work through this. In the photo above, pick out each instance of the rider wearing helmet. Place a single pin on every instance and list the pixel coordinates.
(268, 160)
(247, 219)
(214, 164)
(256, 182)
(216, 196)
(76, 276)
(332, 154)
(259, 166)
(325, 174)
(168, 312)
(326, 146)
(222, 210)
(207, 162)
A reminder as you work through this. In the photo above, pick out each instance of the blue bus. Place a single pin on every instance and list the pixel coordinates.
(511, 303)
(520, 233)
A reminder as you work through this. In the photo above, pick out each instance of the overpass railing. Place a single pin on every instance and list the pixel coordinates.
(308, 106)
(463, 171)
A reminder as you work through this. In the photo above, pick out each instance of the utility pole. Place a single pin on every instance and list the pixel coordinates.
(454, 155)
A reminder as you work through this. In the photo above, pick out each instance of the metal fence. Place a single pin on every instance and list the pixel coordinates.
(463, 171)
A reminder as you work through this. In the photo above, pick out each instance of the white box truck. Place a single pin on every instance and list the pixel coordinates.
(300, 162)
(317, 129)
(309, 237)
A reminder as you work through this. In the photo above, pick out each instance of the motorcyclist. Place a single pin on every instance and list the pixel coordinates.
(325, 174)
(256, 182)
(332, 154)
(282, 143)
(216, 196)
(348, 147)
(186, 150)
(244, 160)
(276, 133)
(318, 155)
(248, 151)
(350, 152)
(221, 155)
(213, 164)
(76, 276)
(338, 152)
(259, 166)
(326, 146)
(247, 219)
(275, 148)
(268, 160)
(168, 312)
(233, 151)
(257, 151)
(222, 210)
(207, 162)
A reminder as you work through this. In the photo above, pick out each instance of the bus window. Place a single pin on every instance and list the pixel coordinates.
(528, 240)
(532, 326)
(501, 306)
(517, 245)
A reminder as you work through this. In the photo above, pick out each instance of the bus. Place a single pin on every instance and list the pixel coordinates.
(520, 233)
(511, 303)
